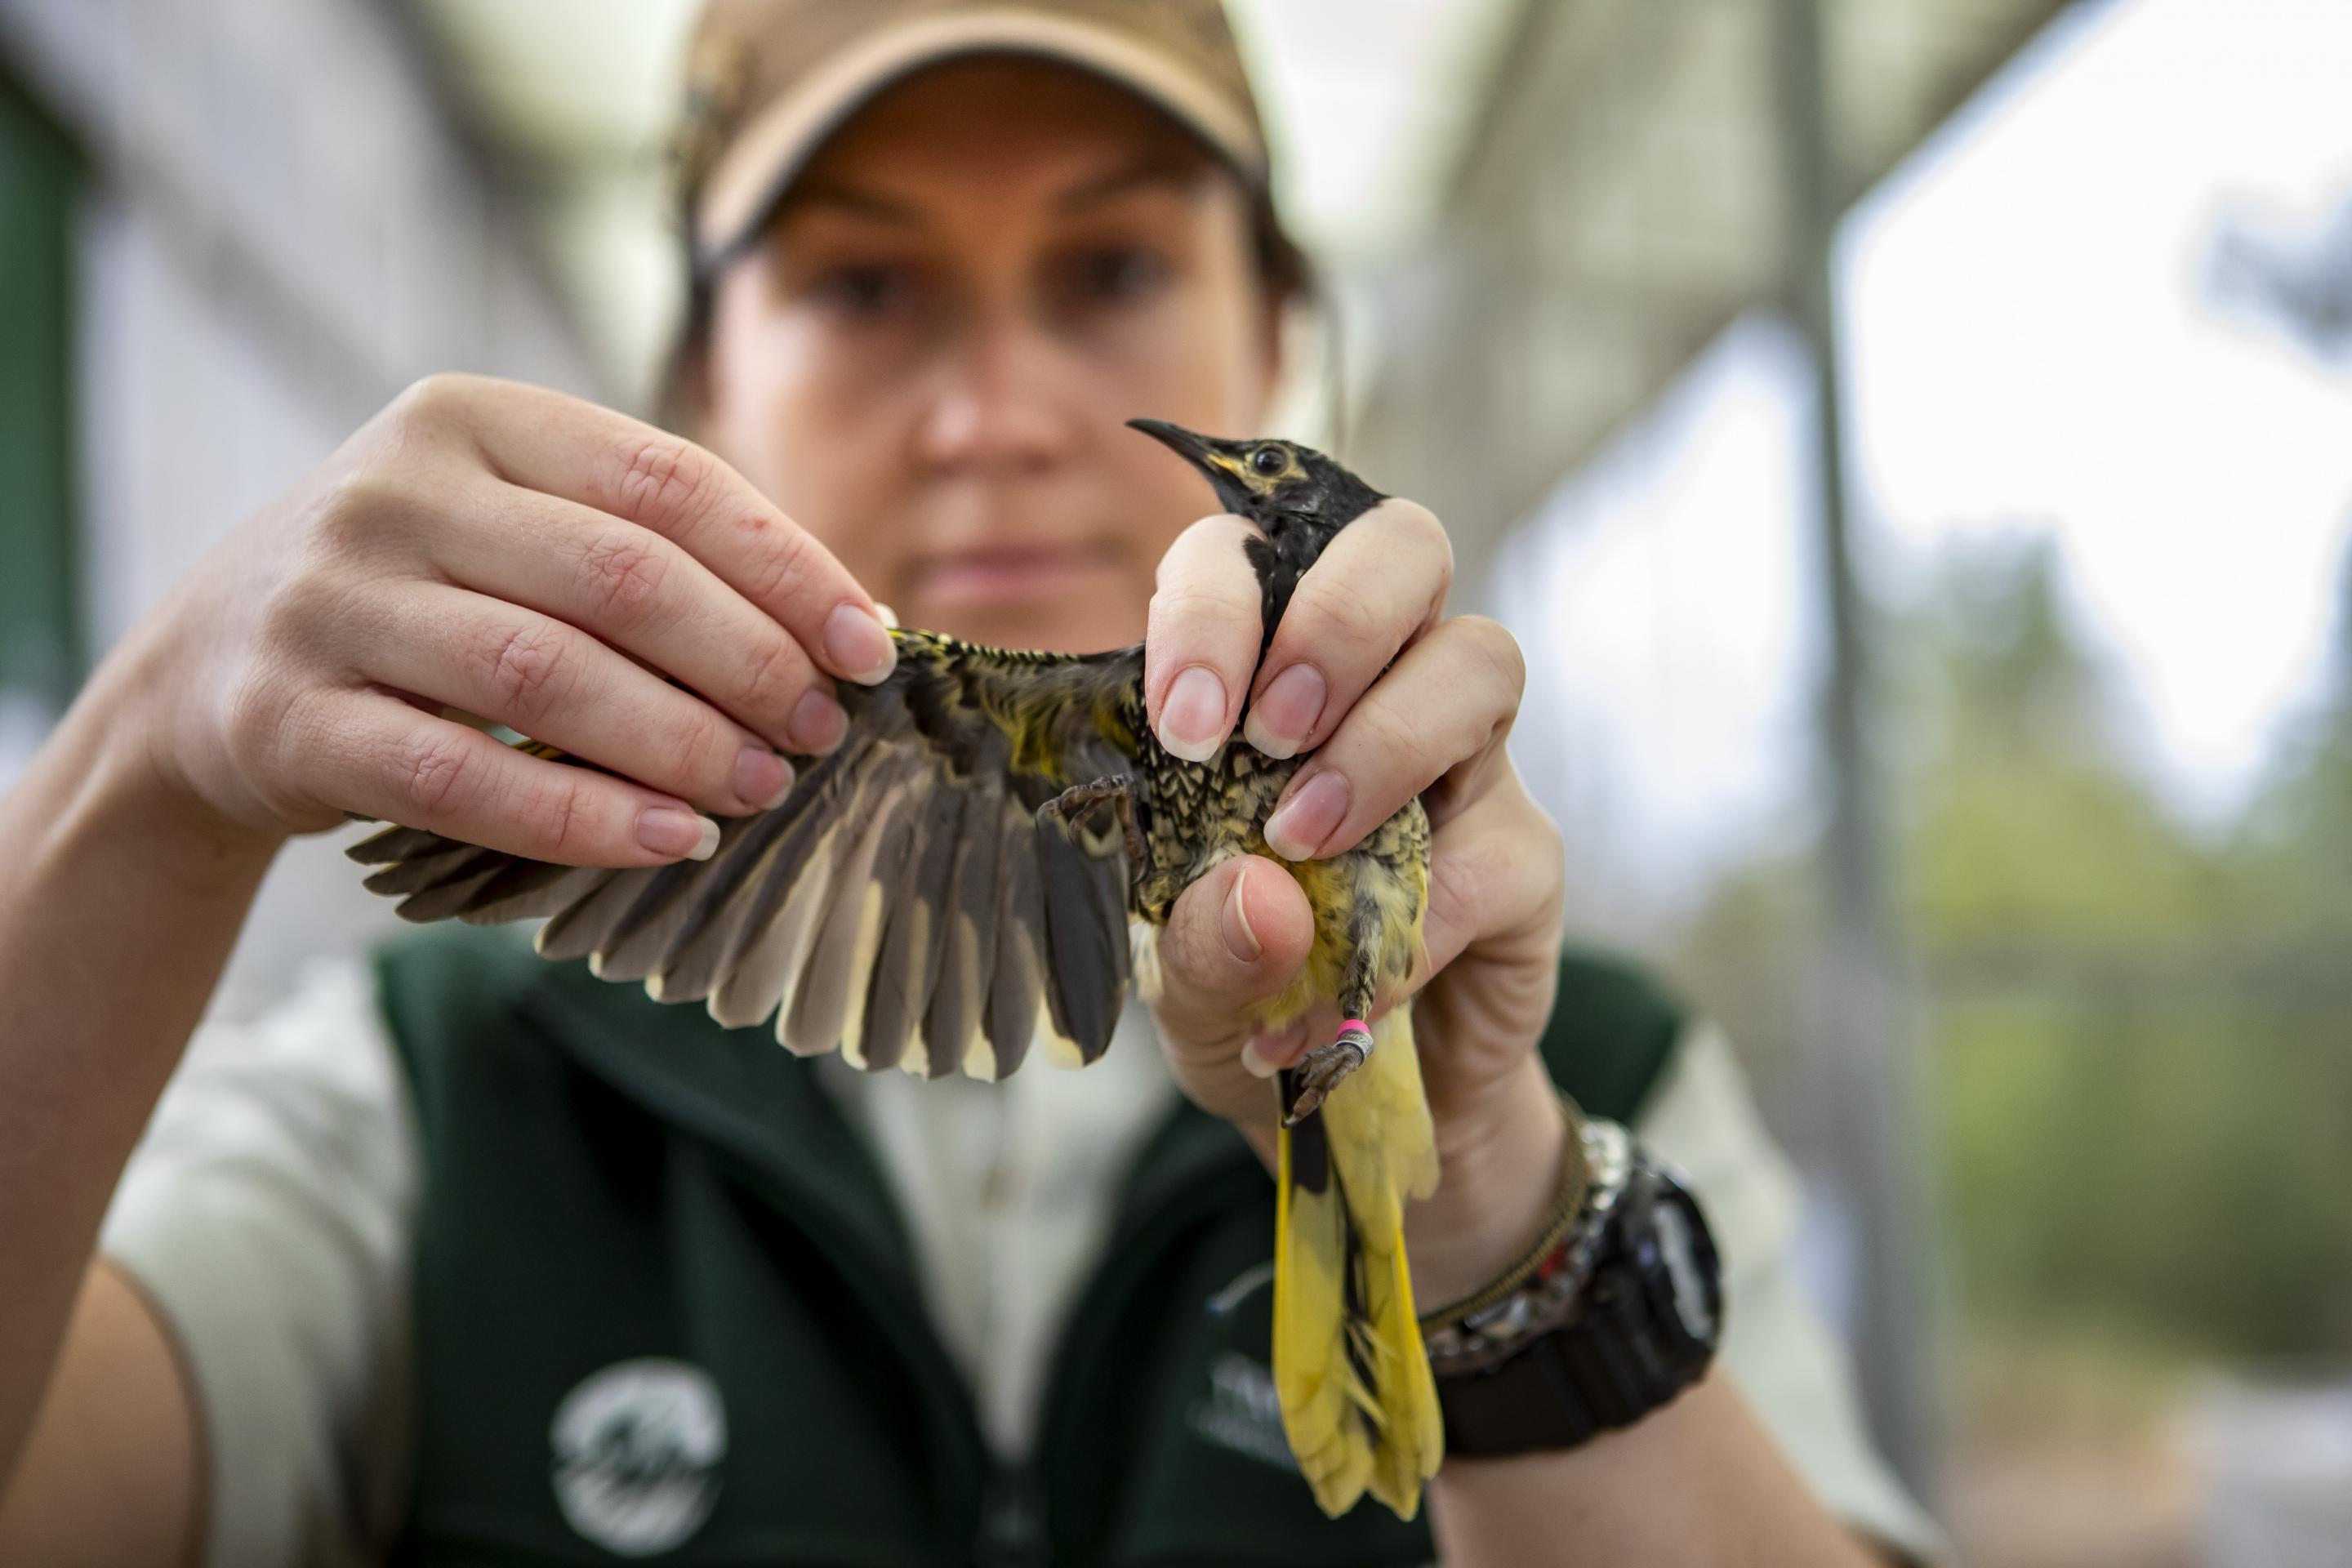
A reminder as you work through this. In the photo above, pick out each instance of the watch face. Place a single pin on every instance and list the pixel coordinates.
(1672, 1227)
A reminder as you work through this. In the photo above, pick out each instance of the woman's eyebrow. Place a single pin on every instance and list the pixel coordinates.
(823, 193)
(1178, 174)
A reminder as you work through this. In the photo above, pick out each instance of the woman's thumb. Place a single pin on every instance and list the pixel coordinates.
(1235, 938)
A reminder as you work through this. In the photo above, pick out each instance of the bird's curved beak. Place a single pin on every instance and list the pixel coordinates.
(1219, 462)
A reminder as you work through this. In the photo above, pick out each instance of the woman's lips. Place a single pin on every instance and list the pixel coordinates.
(1010, 575)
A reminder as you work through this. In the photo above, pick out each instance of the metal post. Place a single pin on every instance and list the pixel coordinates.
(1861, 1068)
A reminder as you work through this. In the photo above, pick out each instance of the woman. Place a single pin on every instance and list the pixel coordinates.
(468, 1257)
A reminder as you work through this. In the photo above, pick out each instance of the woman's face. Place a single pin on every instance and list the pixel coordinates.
(929, 360)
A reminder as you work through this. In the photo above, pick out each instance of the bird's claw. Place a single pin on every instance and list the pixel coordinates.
(1120, 792)
(1323, 1069)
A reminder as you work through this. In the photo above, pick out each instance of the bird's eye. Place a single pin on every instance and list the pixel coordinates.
(1268, 461)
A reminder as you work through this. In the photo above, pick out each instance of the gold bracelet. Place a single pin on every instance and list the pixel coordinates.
(1566, 1208)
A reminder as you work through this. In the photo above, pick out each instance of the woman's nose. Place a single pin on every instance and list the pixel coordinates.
(999, 400)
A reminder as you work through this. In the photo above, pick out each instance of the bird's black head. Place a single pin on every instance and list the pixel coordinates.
(1299, 497)
(1279, 485)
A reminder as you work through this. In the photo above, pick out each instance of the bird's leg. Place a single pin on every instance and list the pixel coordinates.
(1119, 790)
(1325, 1067)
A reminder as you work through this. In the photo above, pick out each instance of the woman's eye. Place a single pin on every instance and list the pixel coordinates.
(865, 290)
(1116, 274)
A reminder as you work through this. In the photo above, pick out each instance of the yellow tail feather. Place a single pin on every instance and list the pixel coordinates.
(1357, 1401)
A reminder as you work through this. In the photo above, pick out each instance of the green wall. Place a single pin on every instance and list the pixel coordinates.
(41, 644)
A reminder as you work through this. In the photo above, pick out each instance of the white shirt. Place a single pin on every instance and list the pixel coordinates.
(268, 1213)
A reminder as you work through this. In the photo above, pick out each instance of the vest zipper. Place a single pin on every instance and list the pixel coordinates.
(1084, 1342)
(1013, 1532)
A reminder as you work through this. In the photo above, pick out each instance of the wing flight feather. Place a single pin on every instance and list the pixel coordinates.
(905, 904)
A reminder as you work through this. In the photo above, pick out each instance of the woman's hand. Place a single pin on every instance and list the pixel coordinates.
(521, 556)
(1394, 699)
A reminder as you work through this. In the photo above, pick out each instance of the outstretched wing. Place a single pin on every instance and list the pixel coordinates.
(904, 903)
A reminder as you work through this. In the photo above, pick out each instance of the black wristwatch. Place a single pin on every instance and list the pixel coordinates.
(1614, 1324)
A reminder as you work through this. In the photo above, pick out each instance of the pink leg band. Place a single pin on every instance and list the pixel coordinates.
(1348, 1024)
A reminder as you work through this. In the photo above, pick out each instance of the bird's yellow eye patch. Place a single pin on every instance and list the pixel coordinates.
(1238, 468)
(1261, 468)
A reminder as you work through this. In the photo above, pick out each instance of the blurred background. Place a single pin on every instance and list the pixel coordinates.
(1912, 438)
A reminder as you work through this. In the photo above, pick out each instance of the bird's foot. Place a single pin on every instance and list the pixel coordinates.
(1324, 1069)
(1119, 790)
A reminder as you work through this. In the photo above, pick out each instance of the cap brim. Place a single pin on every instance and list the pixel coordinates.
(767, 154)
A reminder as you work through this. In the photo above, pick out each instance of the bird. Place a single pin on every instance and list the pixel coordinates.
(980, 870)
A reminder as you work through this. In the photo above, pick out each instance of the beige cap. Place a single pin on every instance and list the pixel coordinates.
(769, 80)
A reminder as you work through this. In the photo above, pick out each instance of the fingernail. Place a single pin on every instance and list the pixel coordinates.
(1266, 1055)
(858, 646)
(1192, 720)
(763, 779)
(674, 830)
(1280, 720)
(1240, 940)
(818, 724)
(1302, 823)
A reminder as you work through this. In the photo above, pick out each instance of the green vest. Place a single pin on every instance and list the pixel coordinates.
(665, 1306)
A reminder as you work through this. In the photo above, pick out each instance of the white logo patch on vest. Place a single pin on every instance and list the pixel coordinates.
(637, 1451)
(1242, 1413)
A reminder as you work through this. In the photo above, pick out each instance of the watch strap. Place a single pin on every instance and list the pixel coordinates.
(1643, 1328)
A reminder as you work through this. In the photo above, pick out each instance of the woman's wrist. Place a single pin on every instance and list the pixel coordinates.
(1498, 1181)
(104, 775)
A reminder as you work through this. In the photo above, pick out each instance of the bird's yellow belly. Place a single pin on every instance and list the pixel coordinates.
(1372, 898)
